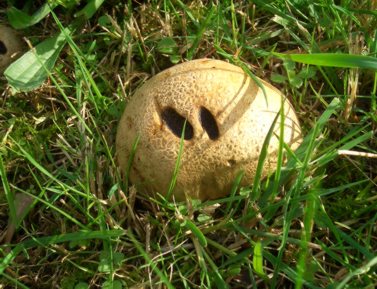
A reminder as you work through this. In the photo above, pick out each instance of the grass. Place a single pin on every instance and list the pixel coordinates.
(68, 221)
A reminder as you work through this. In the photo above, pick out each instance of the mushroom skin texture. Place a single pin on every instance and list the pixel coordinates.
(228, 118)
(11, 46)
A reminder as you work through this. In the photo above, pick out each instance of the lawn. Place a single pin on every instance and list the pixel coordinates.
(67, 218)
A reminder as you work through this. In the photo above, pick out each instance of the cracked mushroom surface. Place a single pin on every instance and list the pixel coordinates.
(11, 46)
(227, 117)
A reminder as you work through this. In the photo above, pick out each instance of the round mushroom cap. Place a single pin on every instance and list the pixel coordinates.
(225, 116)
(11, 46)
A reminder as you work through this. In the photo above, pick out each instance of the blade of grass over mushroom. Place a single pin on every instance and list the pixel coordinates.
(255, 192)
(325, 155)
(279, 162)
(333, 60)
(177, 164)
(233, 191)
(130, 161)
(296, 159)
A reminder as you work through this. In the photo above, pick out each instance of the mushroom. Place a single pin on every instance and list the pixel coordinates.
(11, 46)
(225, 116)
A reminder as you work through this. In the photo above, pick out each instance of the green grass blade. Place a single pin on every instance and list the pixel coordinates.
(15, 281)
(56, 208)
(362, 270)
(130, 161)
(343, 237)
(90, 9)
(57, 239)
(191, 52)
(302, 150)
(177, 164)
(333, 60)
(279, 162)
(219, 281)
(258, 259)
(23, 153)
(150, 262)
(255, 192)
(196, 232)
(289, 271)
(309, 217)
(8, 192)
(21, 20)
(232, 196)
(305, 152)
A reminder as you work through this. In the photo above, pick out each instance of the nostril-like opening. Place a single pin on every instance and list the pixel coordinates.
(176, 122)
(209, 123)
(3, 48)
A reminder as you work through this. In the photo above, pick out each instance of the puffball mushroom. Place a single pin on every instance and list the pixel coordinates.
(11, 46)
(227, 117)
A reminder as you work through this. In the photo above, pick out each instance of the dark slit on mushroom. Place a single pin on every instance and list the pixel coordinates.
(209, 123)
(3, 48)
(176, 122)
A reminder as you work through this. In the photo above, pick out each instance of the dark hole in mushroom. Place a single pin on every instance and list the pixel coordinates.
(209, 123)
(175, 123)
(3, 48)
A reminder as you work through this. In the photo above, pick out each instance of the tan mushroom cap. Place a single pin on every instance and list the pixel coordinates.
(11, 46)
(228, 117)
